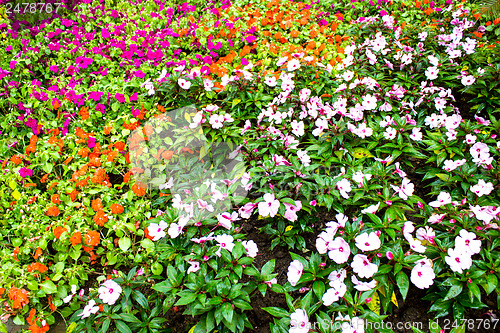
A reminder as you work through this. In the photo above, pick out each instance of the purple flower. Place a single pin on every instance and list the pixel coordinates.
(25, 172)
(383, 13)
(133, 98)
(8, 48)
(54, 68)
(135, 112)
(120, 98)
(12, 64)
(244, 61)
(250, 39)
(91, 143)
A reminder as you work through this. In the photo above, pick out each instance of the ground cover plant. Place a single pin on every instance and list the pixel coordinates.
(142, 142)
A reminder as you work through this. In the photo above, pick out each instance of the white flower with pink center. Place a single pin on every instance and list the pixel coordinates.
(109, 292)
(363, 267)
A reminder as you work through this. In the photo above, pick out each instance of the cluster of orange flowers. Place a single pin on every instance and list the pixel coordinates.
(36, 266)
(34, 328)
(19, 297)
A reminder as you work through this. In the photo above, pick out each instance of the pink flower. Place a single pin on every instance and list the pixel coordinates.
(422, 275)
(291, 210)
(458, 260)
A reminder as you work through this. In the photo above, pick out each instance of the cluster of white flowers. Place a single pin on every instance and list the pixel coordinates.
(460, 257)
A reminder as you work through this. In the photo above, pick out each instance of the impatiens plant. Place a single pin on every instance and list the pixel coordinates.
(141, 140)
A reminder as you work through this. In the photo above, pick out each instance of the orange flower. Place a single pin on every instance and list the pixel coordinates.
(52, 211)
(44, 178)
(167, 154)
(51, 305)
(100, 218)
(120, 145)
(38, 253)
(116, 208)
(112, 155)
(294, 34)
(146, 233)
(92, 238)
(139, 190)
(496, 21)
(66, 161)
(55, 199)
(58, 231)
(76, 238)
(19, 297)
(16, 253)
(16, 160)
(96, 204)
(36, 266)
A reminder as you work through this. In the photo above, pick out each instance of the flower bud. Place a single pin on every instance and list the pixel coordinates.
(389, 255)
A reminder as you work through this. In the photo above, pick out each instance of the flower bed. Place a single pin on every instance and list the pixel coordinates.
(140, 138)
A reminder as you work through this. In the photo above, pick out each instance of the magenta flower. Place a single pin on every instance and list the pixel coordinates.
(133, 98)
(12, 64)
(101, 108)
(54, 68)
(25, 172)
(91, 143)
(120, 98)
(95, 95)
(105, 33)
(139, 74)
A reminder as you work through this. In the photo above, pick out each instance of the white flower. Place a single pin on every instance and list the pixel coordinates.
(184, 84)
(371, 209)
(422, 275)
(432, 73)
(369, 102)
(269, 206)
(339, 250)
(363, 286)
(468, 80)
(226, 219)
(323, 241)
(281, 61)
(195, 266)
(225, 242)
(363, 267)
(467, 242)
(406, 189)
(482, 188)
(271, 81)
(109, 292)
(89, 309)
(344, 186)
(293, 65)
(299, 321)
(216, 121)
(458, 260)
(251, 248)
(368, 242)
(443, 198)
(295, 271)
(390, 133)
(416, 134)
(157, 231)
(337, 290)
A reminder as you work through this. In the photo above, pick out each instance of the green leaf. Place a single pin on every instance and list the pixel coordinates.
(453, 292)
(277, 312)
(48, 287)
(129, 317)
(122, 327)
(184, 300)
(124, 243)
(403, 284)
